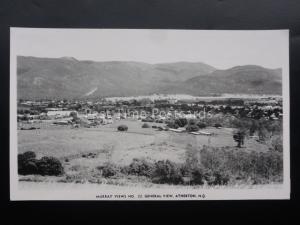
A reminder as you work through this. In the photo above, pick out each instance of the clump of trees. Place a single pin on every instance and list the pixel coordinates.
(28, 164)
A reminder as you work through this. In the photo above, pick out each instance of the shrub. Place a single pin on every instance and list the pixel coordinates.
(28, 164)
(218, 177)
(73, 114)
(28, 155)
(109, 170)
(145, 125)
(217, 125)
(192, 122)
(201, 125)
(140, 167)
(192, 128)
(49, 166)
(198, 175)
(122, 128)
(149, 119)
(181, 122)
(167, 172)
(161, 128)
(172, 124)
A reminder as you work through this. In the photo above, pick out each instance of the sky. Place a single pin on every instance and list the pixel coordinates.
(221, 49)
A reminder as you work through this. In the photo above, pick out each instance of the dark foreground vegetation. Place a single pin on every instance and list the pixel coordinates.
(28, 164)
(212, 166)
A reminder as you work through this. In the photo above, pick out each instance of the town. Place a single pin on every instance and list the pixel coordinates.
(103, 111)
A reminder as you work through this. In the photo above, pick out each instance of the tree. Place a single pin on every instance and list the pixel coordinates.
(74, 115)
(239, 138)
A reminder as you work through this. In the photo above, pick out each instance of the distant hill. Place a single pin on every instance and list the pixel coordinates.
(249, 79)
(68, 77)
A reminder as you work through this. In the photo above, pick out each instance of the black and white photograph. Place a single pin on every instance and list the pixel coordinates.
(149, 114)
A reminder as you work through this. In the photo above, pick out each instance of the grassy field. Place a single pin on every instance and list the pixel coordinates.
(62, 141)
(74, 146)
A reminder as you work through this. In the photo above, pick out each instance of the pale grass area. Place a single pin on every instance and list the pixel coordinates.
(52, 185)
(121, 147)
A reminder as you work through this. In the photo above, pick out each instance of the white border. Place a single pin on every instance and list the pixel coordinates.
(52, 193)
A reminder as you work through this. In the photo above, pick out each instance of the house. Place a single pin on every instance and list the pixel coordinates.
(92, 116)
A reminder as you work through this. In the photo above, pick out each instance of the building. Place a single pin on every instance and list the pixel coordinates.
(59, 114)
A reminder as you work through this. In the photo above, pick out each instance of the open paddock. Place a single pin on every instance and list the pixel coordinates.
(110, 145)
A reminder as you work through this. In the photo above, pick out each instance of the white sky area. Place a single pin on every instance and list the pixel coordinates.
(221, 49)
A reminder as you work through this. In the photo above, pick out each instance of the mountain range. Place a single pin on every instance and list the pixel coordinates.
(68, 77)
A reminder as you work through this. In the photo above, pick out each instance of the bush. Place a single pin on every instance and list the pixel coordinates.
(49, 166)
(198, 176)
(181, 122)
(218, 178)
(192, 128)
(73, 114)
(172, 124)
(192, 122)
(167, 172)
(28, 164)
(140, 167)
(145, 125)
(109, 170)
(201, 125)
(217, 125)
(122, 128)
(28, 155)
